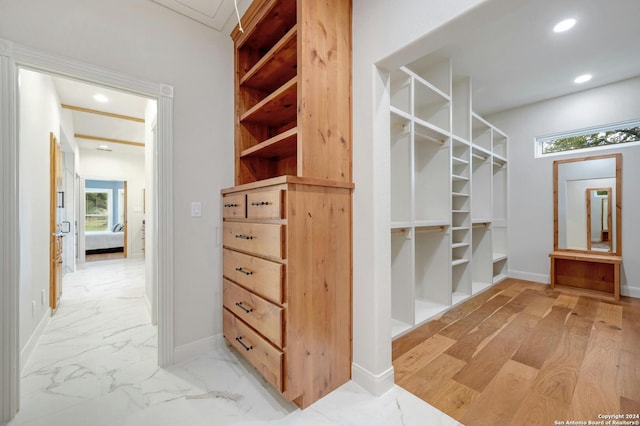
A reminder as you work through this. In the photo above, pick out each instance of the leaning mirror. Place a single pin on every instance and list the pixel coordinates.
(587, 200)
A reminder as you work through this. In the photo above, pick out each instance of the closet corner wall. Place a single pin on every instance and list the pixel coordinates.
(448, 194)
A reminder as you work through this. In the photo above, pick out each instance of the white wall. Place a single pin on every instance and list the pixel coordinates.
(531, 229)
(39, 115)
(128, 166)
(148, 41)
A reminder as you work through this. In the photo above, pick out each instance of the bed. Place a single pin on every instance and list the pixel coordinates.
(103, 242)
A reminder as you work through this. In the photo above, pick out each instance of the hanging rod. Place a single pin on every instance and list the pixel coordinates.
(473, 154)
(399, 231)
(428, 137)
(430, 228)
(480, 225)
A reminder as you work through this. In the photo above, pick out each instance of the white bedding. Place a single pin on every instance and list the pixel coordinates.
(103, 240)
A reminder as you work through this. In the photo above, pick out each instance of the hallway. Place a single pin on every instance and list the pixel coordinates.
(95, 364)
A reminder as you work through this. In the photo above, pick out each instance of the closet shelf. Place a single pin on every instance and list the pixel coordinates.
(458, 245)
(497, 257)
(480, 152)
(460, 228)
(279, 146)
(458, 262)
(458, 177)
(430, 131)
(276, 67)
(459, 194)
(400, 113)
(481, 221)
(400, 225)
(459, 160)
(426, 84)
(430, 223)
(277, 109)
(501, 161)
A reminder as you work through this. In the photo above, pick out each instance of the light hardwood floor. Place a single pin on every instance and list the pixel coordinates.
(522, 354)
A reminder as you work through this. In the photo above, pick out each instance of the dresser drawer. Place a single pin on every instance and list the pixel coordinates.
(259, 238)
(257, 350)
(259, 313)
(234, 206)
(264, 205)
(261, 276)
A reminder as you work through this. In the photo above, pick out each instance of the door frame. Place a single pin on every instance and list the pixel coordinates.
(13, 56)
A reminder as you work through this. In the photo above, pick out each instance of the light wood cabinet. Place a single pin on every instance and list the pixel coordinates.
(287, 222)
(448, 194)
(296, 302)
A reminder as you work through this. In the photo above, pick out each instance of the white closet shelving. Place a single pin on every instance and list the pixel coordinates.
(448, 194)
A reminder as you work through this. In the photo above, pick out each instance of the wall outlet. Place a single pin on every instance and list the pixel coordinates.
(33, 308)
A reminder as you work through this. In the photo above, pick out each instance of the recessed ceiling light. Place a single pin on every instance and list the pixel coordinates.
(582, 78)
(100, 98)
(565, 25)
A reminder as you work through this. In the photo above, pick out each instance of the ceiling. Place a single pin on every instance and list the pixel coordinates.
(93, 121)
(212, 13)
(507, 47)
(514, 58)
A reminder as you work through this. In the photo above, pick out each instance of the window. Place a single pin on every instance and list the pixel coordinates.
(98, 206)
(601, 137)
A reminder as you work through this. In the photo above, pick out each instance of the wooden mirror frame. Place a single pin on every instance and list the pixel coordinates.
(617, 250)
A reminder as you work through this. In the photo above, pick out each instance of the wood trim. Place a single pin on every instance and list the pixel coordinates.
(618, 199)
(106, 114)
(101, 139)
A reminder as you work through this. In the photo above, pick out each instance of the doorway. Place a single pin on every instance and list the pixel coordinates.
(159, 205)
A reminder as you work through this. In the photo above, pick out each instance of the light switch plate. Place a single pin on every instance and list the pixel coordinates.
(196, 209)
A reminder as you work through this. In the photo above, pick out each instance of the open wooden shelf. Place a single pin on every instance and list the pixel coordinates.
(279, 146)
(262, 35)
(276, 109)
(276, 67)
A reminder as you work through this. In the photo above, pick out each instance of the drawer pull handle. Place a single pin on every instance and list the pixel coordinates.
(244, 308)
(244, 271)
(244, 237)
(232, 205)
(239, 340)
(260, 203)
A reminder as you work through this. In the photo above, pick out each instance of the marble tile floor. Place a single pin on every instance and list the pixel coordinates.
(95, 364)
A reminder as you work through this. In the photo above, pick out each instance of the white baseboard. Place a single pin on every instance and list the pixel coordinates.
(629, 291)
(529, 276)
(199, 347)
(376, 384)
(147, 304)
(27, 351)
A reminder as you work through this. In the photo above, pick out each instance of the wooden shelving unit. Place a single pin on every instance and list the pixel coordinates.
(272, 99)
(287, 222)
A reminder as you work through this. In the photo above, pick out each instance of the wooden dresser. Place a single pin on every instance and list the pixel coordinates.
(287, 222)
